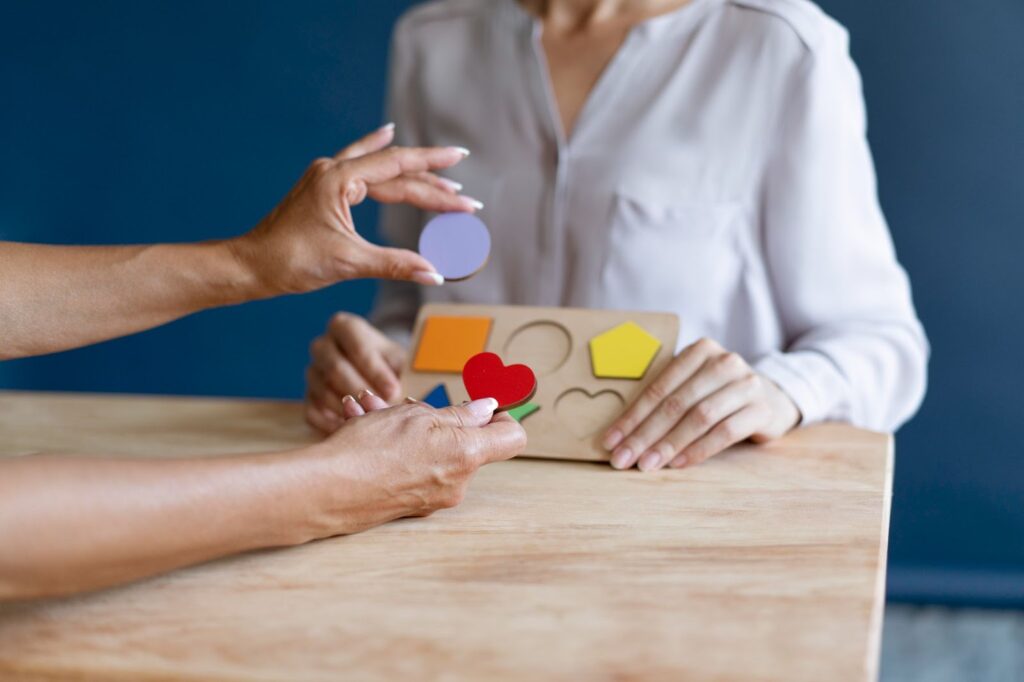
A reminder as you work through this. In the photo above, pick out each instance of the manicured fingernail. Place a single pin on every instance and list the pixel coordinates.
(348, 399)
(457, 186)
(484, 407)
(409, 399)
(387, 126)
(649, 461)
(427, 278)
(461, 150)
(365, 392)
(620, 460)
(612, 439)
(475, 203)
(679, 462)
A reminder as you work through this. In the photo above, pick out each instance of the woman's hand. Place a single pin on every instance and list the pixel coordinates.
(309, 240)
(84, 522)
(409, 460)
(350, 357)
(705, 400)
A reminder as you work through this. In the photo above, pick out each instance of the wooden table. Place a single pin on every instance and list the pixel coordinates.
(766, 563)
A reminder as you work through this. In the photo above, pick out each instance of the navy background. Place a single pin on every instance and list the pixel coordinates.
(138, 122)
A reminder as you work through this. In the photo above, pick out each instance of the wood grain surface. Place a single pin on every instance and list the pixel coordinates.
(765, 563)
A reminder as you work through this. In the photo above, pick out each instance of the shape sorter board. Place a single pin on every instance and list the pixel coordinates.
(574, 406)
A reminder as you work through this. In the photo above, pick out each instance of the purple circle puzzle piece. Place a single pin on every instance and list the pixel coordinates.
(458, 245)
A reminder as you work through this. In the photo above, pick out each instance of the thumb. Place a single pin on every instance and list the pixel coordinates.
(399, 264)
(474, 414)
(490, 437)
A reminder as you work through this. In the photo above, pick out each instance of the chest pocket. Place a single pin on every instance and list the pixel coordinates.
(670, 252)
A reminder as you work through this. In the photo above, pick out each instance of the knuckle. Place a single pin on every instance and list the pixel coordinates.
(703, 414)
(394, 269)
(674, 406)
(453, 497)
(729, 361)
(750, 383)
(707, 345)
(322, 164)
(727, 431)
(340, 321)
(316, 346)
(657, 392)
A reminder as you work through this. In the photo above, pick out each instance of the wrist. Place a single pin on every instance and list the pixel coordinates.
(318, 499)
(291, 498)
(238, 261)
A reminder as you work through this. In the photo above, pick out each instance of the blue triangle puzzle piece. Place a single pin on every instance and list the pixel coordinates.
(438, 397)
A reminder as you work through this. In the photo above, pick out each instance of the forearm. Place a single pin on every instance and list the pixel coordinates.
(58, 297)
(76, 523)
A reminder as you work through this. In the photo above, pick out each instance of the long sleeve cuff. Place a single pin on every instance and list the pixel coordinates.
(806, 377)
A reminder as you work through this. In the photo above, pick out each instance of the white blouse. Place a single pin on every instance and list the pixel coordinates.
(719, 170)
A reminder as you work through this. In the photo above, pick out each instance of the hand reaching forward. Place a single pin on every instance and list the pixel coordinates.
(386, 463)
(310, 241)
(705, 400)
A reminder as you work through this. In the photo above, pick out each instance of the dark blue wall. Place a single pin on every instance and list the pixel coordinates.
(135, 122)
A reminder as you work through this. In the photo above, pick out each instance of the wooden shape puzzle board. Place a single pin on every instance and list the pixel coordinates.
(575, 407)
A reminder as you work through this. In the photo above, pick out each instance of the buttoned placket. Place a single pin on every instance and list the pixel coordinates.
(553, 239)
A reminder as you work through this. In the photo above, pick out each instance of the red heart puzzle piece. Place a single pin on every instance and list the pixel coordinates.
(486, 376)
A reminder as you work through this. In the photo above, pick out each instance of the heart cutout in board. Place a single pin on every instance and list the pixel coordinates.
(486, 376)
(585, 414)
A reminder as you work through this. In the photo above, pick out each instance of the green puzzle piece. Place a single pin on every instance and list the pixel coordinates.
(523, 411)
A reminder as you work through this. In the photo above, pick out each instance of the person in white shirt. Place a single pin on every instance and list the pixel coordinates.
(707, 158)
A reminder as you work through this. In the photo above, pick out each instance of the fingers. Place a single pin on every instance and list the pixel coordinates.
(320, 393)
(485, 436)
(502, 439)
(427, 195)
(468, 415)
(682, 367)
(446, 184)
(370, 260)
(714, 374)
(698, 421)
(322, 420)
(737, 427)
(361, 348)
(351, 408)
(371, 402)
(375, 141)
(394, 162)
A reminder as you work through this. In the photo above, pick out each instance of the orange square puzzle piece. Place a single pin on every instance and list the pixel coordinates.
(446, 343)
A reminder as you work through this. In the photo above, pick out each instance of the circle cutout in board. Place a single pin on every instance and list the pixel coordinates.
(457, 244)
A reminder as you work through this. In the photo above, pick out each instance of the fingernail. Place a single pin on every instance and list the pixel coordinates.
(410, 399)
(461, 150)
(427, 278)
(475, 203)
(348, 399)
(484, 407)
(457, 186)
(612, 439)
(388, 126)
(365, 392)
(620, 460)
(679, 462)
(649, 461)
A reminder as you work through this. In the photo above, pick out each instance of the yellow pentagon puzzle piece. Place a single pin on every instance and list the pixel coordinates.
(623, 352)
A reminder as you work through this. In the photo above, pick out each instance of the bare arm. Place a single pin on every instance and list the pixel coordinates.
(75, 523)
(58, 297)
